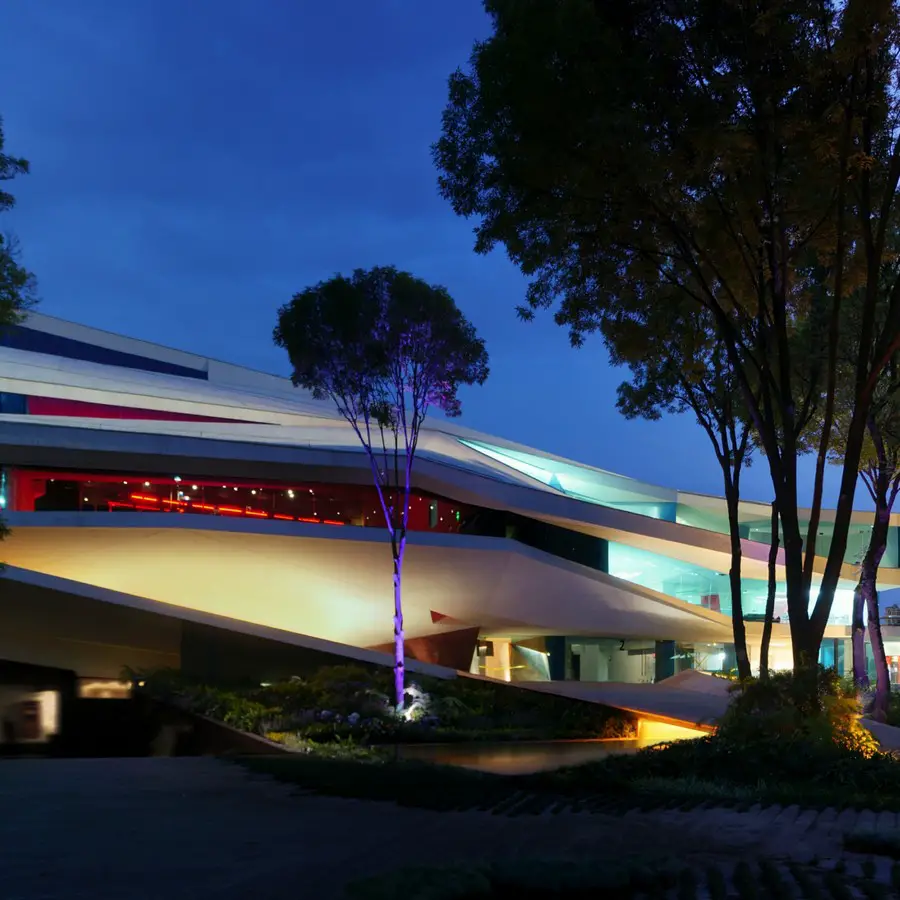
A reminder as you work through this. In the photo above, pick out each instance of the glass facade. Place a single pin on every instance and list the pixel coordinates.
(329, 504)
(704, 587)
(585, 483)
(628, 494)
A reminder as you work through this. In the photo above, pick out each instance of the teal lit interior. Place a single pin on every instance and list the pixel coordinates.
(585, 483)
(691, 583)
(628, 494)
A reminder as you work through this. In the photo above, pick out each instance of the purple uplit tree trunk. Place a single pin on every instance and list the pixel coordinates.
(399, 650)
(858, 639)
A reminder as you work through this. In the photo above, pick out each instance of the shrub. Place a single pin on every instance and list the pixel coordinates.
(791, 713)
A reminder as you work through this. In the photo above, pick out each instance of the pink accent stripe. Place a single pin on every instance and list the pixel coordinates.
(79, 409)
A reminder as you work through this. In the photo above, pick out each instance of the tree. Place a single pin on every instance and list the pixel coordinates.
(678, 364)
(880, 473)
(881, 476)
(385, 347)
(879, 470)
(17, 284)
(742, 154)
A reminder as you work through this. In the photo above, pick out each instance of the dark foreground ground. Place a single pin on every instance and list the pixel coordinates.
(173, 828)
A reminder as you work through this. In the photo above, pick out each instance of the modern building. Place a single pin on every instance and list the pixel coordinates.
(157, 497)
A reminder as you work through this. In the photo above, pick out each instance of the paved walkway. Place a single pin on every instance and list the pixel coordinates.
(142, 829)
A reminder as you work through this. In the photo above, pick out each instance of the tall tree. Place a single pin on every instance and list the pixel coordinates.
(17, 284)
(385, 347)
(716, 149)
(678, 364)
(880, 473)
(881, 476)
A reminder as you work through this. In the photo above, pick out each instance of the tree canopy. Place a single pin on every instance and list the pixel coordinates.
(384, 346)
(17, 284)
(739, 155)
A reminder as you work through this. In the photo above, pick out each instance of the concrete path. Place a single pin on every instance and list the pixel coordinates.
(167, 829)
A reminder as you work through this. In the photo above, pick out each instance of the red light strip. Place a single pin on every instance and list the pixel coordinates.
(222, 510)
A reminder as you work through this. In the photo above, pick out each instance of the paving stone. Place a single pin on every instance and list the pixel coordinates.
(846, 821)
(827, 816)
(787, 815)
(202, 828)
(866, 820)
(806, 820)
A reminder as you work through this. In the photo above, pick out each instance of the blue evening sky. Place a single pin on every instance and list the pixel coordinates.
(196, 163)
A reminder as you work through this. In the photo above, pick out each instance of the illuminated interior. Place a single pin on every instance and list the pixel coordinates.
(28, 490)
(703, 587)
(584, 483)
(629, 494)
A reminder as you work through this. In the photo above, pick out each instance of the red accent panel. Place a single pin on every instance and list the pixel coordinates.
(453, 649)
(437, 618)
(80, 409)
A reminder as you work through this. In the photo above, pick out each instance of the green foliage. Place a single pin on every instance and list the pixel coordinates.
(339, 748)
(347, 702)
(10, 167)
(17, 284)
(380, 340)
(779, 740)
(629, 158)
(810, 711)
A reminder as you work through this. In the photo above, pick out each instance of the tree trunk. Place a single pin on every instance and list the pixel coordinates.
(770, 599)
(867, 590)
(858, 639)
(805, 647)
(399, 652)
(742, 657)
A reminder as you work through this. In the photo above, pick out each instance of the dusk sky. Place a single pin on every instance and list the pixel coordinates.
(196, 163)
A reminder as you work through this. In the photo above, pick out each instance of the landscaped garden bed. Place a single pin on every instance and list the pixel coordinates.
(775, 746)
(344, 711)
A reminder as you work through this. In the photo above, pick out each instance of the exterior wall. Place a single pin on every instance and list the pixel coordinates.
(335, 584)
(95, 640)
